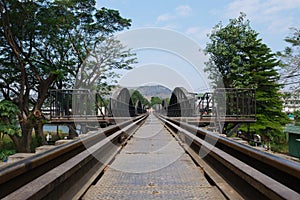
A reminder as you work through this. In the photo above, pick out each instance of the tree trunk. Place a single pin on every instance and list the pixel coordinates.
(72, 131)
(1, 139)
(22, 143)
(39, 133)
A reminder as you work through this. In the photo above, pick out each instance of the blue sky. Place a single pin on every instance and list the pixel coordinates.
(196, 18)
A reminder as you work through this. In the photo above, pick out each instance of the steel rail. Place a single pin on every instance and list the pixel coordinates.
(67, 170)
(254, 174)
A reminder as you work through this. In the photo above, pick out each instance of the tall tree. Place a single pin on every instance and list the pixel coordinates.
(155, 100)
(43, 44)
(239, 59)
(290, 58)
(137, 96)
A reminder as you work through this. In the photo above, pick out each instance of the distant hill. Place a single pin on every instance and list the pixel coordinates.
(154, 91)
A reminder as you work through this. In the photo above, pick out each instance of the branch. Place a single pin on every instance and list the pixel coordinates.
(74, 48)
(16, 50)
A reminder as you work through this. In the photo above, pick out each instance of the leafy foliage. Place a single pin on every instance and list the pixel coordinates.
(155, 100)
(8, 118)
(5, 153)
(137, 96)
(43, 45)
(239, 59)
(297, 114)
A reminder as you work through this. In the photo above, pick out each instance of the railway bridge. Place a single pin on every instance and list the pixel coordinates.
(166, 154)
(222, 107)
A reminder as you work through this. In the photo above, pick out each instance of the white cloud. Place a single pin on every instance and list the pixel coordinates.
(180, 11)
(248, 6)
(280, 24)
(199, 31)
(260, 8)
(192, 30)
(171, 26)
(183, 10)
(274, 6)
(273, 13)
(165, 17)
(199, 34)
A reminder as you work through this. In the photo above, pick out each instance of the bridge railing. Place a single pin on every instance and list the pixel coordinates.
(75, 103)
(236, 103)
(230, 102)
(82, 103)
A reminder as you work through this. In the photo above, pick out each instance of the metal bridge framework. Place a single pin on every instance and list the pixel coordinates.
(214, 109)
(181, 103)
(223, 106)
(226, 102)
(70, 104)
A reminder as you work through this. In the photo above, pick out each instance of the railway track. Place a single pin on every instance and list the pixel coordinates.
(67, 171)
(236, 167)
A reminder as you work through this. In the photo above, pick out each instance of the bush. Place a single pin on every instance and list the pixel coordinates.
(5, 153)
(297, 115)
(280, 148)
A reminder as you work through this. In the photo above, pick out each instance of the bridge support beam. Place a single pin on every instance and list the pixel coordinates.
(121, 104)
(182, 103)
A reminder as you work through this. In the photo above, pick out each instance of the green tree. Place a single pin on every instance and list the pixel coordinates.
(137, 96)
(297, 117)
(297, 114)
(8, 118)
(155, 100)
(8, 126)
(43, 45)
(239, 59)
